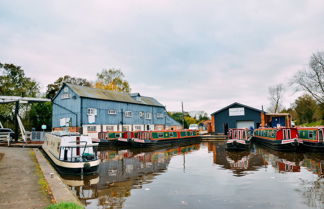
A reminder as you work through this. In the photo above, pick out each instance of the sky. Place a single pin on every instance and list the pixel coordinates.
(207, 54)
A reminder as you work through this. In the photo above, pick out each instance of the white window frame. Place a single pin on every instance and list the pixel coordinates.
(128, 114)
(141, 114)
(92, 127)
(159, 115)
(112, 112)
(91, 111)
(148, 115)
(65, 96)
(110, 128)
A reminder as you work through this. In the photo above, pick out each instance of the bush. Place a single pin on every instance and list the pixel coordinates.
(65, 205)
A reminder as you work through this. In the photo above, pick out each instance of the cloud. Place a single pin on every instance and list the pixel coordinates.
(206, 54)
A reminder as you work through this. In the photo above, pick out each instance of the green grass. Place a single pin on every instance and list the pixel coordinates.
(65, 205)
(316, 123)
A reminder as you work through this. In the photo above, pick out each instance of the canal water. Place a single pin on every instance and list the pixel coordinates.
(203, 175)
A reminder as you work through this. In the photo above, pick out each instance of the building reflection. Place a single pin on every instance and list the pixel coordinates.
(121, 171)
(282, 162)
(239, 162)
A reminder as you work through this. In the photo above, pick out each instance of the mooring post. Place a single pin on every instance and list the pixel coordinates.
(16, 121)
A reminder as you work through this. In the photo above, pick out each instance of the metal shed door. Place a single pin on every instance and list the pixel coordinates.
(244, 124)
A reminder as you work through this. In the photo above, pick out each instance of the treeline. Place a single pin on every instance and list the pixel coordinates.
(307, 109)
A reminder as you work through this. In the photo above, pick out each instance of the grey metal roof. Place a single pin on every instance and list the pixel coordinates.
(102, 94)
(236, 103)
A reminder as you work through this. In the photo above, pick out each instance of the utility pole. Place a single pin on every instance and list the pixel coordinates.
(182, 115)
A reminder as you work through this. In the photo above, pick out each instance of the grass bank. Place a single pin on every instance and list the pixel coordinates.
(316, 123)
(65, 205)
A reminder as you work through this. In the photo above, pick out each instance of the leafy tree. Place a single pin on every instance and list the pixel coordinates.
(112, 79)
(275, 97)
(306, 108)
(41, 114)
(53, 88)
(311, 79)
(13, 82)
(187, 118)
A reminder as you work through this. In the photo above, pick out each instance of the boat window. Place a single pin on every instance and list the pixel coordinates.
(171, 134)
(320, 135)
(160, 135)
(244, 134)
(117, 135)
(310, 134)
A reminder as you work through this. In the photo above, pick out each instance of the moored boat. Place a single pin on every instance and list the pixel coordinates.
(71, 153)
(238, 139)
(109, 137)
(312, 138)
(282, 139)
(158, 138)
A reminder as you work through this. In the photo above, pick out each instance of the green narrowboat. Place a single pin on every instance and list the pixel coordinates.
(282, 139)
(109, 137)
(312, 138)
(157, 138)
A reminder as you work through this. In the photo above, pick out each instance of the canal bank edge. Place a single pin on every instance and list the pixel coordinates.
(60, 192)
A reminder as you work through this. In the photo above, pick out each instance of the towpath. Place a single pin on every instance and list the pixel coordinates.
(19, 180)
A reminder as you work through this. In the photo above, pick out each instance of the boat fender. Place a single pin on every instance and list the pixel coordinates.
(86, 166)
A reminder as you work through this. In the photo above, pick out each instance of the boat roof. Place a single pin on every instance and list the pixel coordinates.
(65, 133)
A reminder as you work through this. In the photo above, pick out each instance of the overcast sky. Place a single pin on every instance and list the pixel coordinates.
(207, 54)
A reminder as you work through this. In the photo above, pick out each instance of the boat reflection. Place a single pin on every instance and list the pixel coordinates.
(123, 170)
(239, 162)
(282, 161)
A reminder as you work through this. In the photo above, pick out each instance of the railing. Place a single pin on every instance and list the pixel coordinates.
(5, 136)
(37, 136)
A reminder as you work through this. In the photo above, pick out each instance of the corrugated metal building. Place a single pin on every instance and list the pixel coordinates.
(96, 110)
(235, 115)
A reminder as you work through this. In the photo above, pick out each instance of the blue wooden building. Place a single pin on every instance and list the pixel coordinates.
(235, 115)
(91, 110)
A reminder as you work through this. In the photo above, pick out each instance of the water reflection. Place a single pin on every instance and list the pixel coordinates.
(128, 173)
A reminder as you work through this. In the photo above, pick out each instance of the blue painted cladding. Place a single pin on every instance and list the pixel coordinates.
(103, 117)
(223, 117)
(73, 104)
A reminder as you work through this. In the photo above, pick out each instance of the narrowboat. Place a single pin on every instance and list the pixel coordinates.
(238, 139)
(71, 153)
(158, 138)
(110, 137)
(281, 139)
(312, 138)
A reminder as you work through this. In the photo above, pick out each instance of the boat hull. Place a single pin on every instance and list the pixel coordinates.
(164, 142)
(234, 145)
(75, 168)
(279, 145)
(313, 146)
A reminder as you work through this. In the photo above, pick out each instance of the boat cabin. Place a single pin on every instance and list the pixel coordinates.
(312, 134)
(71, 147)
(238, 133)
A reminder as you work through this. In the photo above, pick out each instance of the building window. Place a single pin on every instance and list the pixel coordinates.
(141, 114)
(138, 99)
(148, 115)
(65, 96)
(92, 111)
(159, 115)
(137, 128)
(66, 89)
(65, 121)
(91, 128)
(109, 128)
(128, 114)
(112, 112)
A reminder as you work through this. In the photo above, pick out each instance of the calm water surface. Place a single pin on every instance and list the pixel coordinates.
(203, 175)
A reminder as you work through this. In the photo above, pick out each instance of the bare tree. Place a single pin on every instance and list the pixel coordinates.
(275, 97)
(311, 79)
